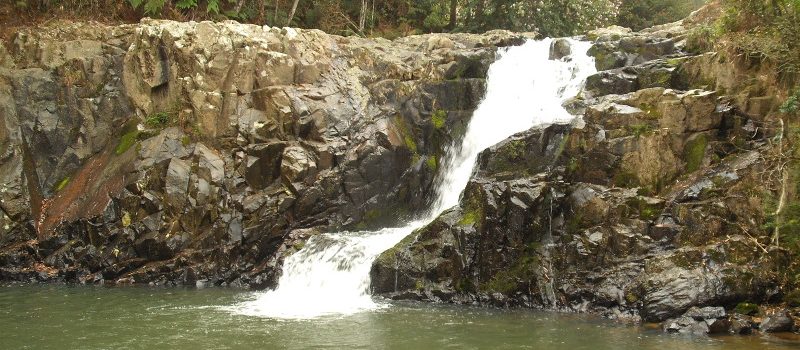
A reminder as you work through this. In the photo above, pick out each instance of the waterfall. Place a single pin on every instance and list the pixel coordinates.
(330, 274)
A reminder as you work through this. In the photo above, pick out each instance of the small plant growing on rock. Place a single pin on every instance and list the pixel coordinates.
(158, 120)
(792, 104)
(438, 118)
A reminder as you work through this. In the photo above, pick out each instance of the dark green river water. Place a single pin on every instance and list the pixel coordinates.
(63, 317)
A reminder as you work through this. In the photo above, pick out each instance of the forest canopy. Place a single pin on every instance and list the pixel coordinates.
(388, 18)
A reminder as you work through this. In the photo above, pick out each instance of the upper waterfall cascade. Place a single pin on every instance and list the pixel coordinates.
(330, 274)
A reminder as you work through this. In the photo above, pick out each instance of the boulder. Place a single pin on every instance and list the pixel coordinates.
(559, 49)
(778, 321)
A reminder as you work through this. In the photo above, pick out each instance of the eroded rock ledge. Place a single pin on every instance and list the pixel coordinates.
(170, 153)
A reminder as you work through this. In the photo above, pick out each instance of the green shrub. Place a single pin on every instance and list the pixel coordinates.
(158, 120)
(791, 105)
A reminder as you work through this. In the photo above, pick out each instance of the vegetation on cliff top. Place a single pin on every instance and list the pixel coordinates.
(390, 18)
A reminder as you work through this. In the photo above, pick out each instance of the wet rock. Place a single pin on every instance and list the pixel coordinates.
(779, 321)
(741, 324)
(559, 49)
(686, 325)
(699, 321)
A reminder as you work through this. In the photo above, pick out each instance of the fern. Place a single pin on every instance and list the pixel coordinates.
(213, 6)
(135, 3)
(152, 7)
(186, 4)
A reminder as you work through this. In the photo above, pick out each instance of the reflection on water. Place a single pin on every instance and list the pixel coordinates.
(60, 317)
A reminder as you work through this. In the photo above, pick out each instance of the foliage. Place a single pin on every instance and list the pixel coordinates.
(155, 7)
(792, 104)
(766, 31)
(158, 120)
(550, 18)
(393, 18)
(640, 14)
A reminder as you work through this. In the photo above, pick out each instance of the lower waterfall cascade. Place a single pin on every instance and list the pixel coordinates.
(330, 274)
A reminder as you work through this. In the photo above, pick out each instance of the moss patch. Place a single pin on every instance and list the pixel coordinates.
(406, 134)
(61, 184)
(694, 152)
(639, 130)
(126, 142)
(432, 163)
(472, 213)
(746, 309)
(438, 118)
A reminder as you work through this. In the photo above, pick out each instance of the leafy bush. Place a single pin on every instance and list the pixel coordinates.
(792, 104)
(155, 7)
(158, 120)
(766, 31)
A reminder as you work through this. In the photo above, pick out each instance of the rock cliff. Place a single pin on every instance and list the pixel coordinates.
(655, 203)
(167, 152)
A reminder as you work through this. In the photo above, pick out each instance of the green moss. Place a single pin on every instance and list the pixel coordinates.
(631, 298)
(61, 184)
(186, 140)
(432, 163)
(639, 130)
(369, 219)
(509, 280)
(646, 212)
(438, 118)
(514, 149)
(746, 309)
(406, 134)
(674, 62)
(694, 152)
(573, 166)
(126, 141)
(472, 213)
(626, 180)
(419, 285)
(469, 218)
(650, 110)
(410, 144)
(389, 257)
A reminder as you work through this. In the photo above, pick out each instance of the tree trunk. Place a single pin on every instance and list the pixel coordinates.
(362, 16)
(238, 7)
(291, 13)
(453, 12)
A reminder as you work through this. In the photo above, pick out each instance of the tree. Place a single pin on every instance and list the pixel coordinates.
(291, 13)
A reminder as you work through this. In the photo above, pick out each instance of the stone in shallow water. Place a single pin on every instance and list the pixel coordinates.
(777, 322)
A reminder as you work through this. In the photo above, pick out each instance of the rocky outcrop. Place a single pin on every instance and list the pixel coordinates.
(167, 152)
(649, 207)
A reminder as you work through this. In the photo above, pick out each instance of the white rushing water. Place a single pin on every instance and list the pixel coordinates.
(330, 274)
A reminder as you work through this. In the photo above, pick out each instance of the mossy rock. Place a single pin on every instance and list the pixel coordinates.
(438, 118)
(695, 152)
(126, 142)
(746, 309)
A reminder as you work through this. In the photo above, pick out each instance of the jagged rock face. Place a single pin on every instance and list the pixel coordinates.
(170, 152)
(645, 209)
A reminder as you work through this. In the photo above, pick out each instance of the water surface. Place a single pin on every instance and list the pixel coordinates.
(84, 317)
